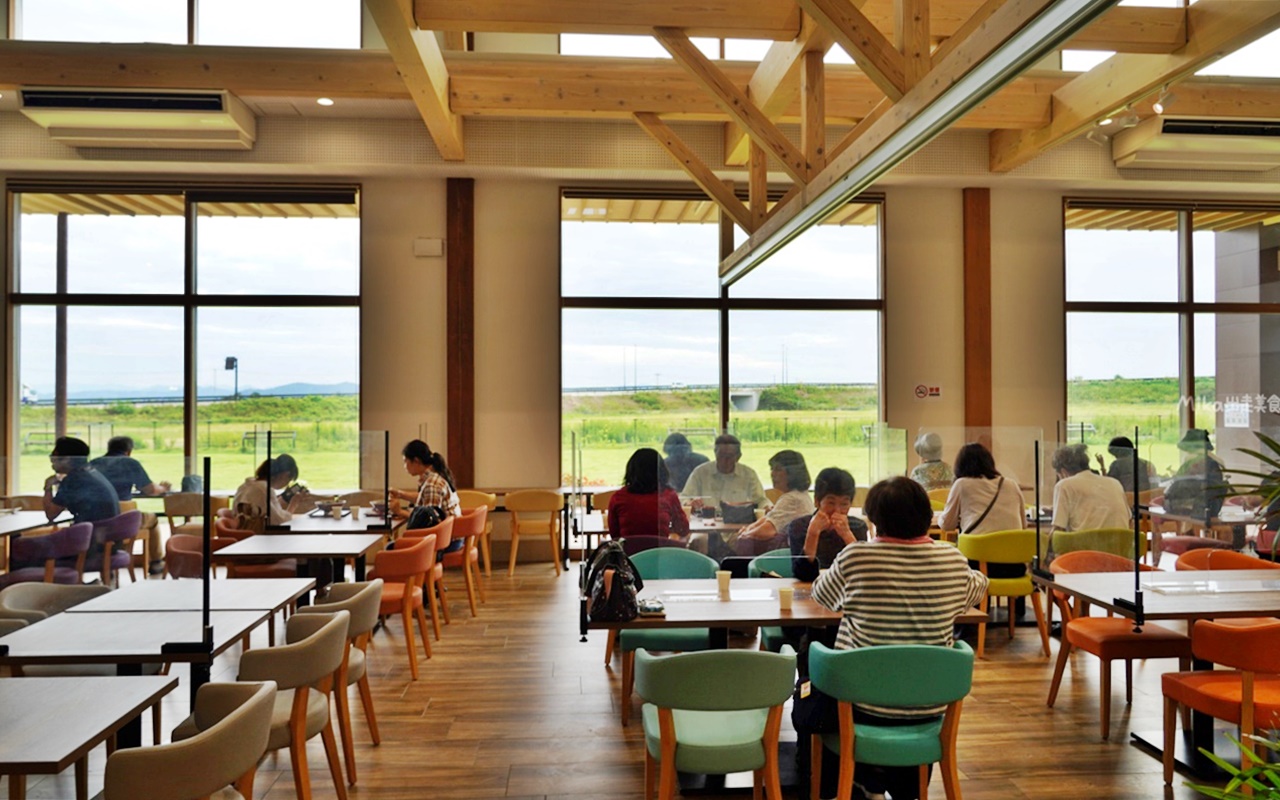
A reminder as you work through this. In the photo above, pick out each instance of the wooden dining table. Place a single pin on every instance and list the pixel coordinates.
(50, 724)
(1188, 596)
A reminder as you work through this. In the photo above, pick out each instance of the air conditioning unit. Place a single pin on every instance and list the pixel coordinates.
(189, 120)
(1181, 143)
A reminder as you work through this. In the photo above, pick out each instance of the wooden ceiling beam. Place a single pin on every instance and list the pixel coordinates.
(775, 83)
(1215, 28)
(911, 37)
(696, 169)
(813, 119)
(734, 102)
(863, 41)
(419, 59)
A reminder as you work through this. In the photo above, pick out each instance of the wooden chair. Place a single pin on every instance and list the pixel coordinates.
(468, 528)
(938, 498)
(600, 502)
(472, 498)
(534, 511)
(144, 538)
(402, 571)
(225, 528)
(772, 494)
(1005, 547)
(433, 581)
(183, 511)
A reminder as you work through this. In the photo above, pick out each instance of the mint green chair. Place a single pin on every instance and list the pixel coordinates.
(892, 676)
(659, 564)
(778, 562)
(696, 720)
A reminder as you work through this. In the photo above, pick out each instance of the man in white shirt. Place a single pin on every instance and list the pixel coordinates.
(725, 480)
(1083, 500)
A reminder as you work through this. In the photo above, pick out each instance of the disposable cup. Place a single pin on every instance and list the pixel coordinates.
(722, 578)
(785, 596)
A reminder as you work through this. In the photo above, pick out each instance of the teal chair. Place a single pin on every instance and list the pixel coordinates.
(778, 562)
(659, 564)
(892, 676)
(697, 721)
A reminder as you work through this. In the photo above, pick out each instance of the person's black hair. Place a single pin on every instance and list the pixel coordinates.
(1071, 459)
(676, 440)
(119, 445)
(418, 450)
(646, 471)
(729, 438)
(1120, 447)
(833, 481)
(273, 468)
(76, 451)
(975, 461)
(793, 464)
(899, 508)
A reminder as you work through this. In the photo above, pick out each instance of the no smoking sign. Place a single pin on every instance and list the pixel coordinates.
(924, 391)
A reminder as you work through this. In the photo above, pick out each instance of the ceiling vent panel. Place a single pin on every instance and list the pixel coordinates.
(213, 120)
(1184, 143)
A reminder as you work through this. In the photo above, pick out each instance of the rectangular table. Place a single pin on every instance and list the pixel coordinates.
(337, 546)
(1188, 595)
(14, 523)
(52, 723)
(325, 523)
(225, 594)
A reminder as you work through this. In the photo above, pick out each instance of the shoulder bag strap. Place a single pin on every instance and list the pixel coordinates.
(990, 506)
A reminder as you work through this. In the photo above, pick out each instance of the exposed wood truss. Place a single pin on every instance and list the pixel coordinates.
(421, 64)
(1215, 27)
(697, 169)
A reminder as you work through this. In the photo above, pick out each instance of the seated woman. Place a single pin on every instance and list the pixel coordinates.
(899, 588)
(791, 477)
(257, 501)
(983, 501)
(820, 536)
(932, 472)
(646, 505)
(435, 486)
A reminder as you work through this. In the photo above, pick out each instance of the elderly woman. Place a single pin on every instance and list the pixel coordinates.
(791, 477)
(932, 472)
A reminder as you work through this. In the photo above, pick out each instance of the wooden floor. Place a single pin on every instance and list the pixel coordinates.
(514, 706)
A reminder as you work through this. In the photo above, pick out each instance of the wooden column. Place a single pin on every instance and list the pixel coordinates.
(461, 326)
(977, 308)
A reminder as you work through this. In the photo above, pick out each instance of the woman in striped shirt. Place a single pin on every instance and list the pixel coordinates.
(901, 587)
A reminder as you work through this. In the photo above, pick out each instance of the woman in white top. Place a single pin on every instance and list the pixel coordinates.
(983, 501)
(257, 502)
(791, 477)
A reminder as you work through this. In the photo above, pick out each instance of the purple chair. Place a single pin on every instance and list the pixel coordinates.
(113, 545)
(57, 557)
(636, 544)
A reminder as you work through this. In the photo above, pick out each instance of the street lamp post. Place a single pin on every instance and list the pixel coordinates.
(233, 363)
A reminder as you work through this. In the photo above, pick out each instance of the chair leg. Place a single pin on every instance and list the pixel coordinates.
(756, 784)
(611, 641)
(366, 700)
(406, 616)
(648, 774)
(950, 775)
(335, 764)
(442, 592)
(1009, 604)
(815, 765)
(471, 585)
(924, 781)
(772, 780)
(343, 702)
(1169, 711)
(422, 629)
(555, 549)
(515, 546)
(244, 784)
(430, 593)
(1064, 652)
(484, 552)
(982, 639)
(480, 584)
(1105, 686)
(1041, 622)
(628, 666)
(298, 760)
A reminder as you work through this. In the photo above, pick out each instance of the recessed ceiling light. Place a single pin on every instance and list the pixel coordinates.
(324, 101)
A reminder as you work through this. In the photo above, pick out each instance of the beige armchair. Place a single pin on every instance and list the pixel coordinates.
(361, 601)
(236, 721)
(35, 601)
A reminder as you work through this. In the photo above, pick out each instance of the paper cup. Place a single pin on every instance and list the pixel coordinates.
(336, 511)
(722, 579)
(785, 595)
(355, 512)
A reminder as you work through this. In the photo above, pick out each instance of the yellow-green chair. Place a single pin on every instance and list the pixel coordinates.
(1117, 541)
(1005, 547)
(938, 498)
(696, 720)
(535, 511)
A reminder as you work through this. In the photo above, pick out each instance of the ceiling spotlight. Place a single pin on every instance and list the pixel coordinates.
(1165, 100)
(1102, 123)
(1097, 137)
(324, 101)
(1127, 119)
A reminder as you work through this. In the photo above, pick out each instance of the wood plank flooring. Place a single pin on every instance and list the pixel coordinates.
(512, 705)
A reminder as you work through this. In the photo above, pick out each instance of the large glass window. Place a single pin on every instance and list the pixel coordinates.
(641, 327)
(274, 325)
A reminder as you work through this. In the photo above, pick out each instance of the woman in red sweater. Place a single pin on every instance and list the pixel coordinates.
(646, 505)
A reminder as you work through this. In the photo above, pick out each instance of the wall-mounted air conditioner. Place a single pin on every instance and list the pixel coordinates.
(194, 120)
(1181, 143)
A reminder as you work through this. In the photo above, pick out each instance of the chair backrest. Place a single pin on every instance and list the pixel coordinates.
(225, 527)
(410, 559)
(638, 544)
(772, 494)
(471, 523)
(777, 561)
(8, 626)
(119, 528)
(363, 497)
(600, 500)
(698, 681)
(893, 676)
(998, 547)
(128, 505)
(1106, 540)
(227, 749)
(72, 540)
(666, 562)
(1213, 558)
(472, 498)
(1093, 561)
(183, 504)
(184, 554)
(525, 501)
(360, 600)
(443, 533)
(1254, 648)
(938, 498)
(860, 496)
(36, 601)
(315, 646)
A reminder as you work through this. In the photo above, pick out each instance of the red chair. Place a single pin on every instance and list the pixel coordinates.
(225, 527)
(184, 554)
(468, 528)
(1241, 696)
(433, 583)
(1209, 559)
(56, 557)
(1109, 638)
(402, 572)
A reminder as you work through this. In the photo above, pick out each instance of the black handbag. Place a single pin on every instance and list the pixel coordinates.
(422, 517)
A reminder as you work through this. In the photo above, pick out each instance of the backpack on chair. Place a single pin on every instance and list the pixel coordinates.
(611, 584)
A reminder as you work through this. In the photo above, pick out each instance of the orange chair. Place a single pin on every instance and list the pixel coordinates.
(225, 528)
(469, 527)
(473, 498)
(402, 572)
(1240, 696)
(433, 582)
(1109, 638)
(1207, 559)
(184, 554)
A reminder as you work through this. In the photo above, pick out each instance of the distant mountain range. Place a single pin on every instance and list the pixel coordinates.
(160, 392)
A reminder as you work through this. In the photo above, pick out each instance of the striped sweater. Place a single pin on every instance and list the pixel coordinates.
(893, 592)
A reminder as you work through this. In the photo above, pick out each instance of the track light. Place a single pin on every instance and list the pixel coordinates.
(1165, 100)
(1097, 137)
(1126, 119)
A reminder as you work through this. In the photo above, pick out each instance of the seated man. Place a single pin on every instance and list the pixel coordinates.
(681, 460)
(80, 489)
(725, 480)
(1084, 500)
(901, 587)
(125, 472)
